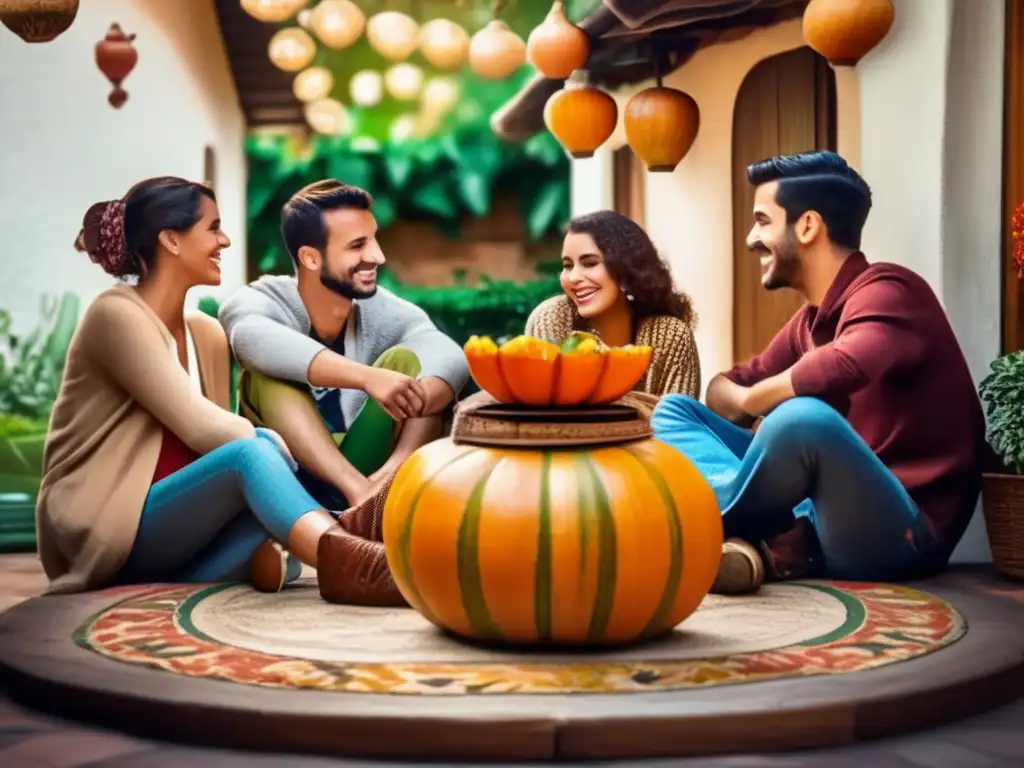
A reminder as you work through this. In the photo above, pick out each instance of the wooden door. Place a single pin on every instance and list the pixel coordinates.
(787, 104)
(629, 178)
(1013, 181)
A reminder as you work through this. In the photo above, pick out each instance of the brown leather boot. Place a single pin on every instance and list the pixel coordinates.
(352, 567)
(789, 555)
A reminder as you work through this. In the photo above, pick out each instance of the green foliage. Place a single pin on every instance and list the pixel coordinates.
(31, 366)
(445, 179)
(492, 308)
(1002, 393)
(210, 306)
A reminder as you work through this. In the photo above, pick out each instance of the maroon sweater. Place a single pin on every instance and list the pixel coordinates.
(880, 351)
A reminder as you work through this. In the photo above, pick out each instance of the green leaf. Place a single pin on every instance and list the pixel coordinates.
(433, 197)
(542, 213)
(350, 169)
(384, 210)
(475, 192)
(398, 165)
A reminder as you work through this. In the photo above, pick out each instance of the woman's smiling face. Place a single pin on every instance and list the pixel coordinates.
(585, 277)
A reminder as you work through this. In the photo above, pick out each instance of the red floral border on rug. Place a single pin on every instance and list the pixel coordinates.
(885, 624)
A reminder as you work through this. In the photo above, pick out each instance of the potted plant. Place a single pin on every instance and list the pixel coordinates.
(1002, 393)
(30, 373)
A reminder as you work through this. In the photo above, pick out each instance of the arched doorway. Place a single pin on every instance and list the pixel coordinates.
(786, 104)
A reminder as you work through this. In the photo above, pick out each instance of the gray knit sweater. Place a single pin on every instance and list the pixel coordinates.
(268, 328)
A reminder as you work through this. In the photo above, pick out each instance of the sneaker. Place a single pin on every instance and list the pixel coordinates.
(741, 570)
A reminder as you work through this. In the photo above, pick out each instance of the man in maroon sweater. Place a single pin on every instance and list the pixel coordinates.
(867, 464)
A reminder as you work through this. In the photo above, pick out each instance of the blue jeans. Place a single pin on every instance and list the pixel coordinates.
(204, 522)
(805, 460)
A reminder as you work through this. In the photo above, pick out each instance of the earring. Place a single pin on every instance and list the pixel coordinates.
(629, 296)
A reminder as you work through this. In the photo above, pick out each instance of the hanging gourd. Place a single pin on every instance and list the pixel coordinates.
(495, 52)
(844, 31)
(557, 47)
(116, 58)
(581, 117)
(38, 21)
(661, 125)
(444, 43)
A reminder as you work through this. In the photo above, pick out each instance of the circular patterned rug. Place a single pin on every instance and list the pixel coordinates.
(294, 639)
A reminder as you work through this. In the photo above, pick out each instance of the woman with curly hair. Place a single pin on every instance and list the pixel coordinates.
(617, 287)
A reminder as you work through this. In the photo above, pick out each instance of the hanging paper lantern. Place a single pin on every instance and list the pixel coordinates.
(581, 118)
(440, 94)
(366, 88)
(272, 11)
(495, 52)
(116, 58)
(393, 35)
(444, 43)
(845, 31)
(404, 81)
(327, 117)
(558, 47)
(313, 83)
(661, 125)
(337, 23)
(38, 21)
(291, 49)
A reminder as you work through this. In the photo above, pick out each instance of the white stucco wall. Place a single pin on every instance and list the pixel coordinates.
(920, 117)
(64, 147)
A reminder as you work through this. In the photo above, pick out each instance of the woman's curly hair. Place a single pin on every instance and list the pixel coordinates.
(633, 262)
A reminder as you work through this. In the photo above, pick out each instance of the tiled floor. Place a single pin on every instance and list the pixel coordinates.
(31, 740)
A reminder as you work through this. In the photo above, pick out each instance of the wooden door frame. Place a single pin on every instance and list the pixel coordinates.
(629, 185)
(1013, 173)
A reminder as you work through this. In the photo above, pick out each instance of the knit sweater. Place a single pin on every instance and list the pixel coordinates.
(268, 328)
(675, 367)
(122, 385)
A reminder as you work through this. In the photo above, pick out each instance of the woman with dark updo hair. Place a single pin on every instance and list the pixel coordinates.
(147, 474)
(617, 287)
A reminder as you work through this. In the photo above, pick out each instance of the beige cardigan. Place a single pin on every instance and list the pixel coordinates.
(675, 367)
(122, 383)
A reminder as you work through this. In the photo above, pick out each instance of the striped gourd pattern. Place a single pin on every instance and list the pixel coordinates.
(606, 545)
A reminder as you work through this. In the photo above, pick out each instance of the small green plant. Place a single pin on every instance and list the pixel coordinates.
(31, 366)
(1002, 393)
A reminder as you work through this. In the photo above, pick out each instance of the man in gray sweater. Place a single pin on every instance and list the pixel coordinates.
(352, 377)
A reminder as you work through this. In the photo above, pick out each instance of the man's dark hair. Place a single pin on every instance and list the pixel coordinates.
(818, 181)
(302, 218)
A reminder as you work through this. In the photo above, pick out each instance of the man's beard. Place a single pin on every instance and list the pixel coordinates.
(344, 287)
(785, 264)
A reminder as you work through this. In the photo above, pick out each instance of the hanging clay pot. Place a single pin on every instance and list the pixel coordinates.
(581, 118)
(844, 31)
(557, 47)
(661, 125)
(38, 21)
(495, 52)
(116, 57)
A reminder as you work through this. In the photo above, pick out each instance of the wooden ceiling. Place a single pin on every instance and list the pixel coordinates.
(264, 91)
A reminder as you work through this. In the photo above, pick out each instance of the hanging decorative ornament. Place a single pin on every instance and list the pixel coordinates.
(338, 23)
(557, 47)
(392, 35)
(440, 94)
(327, 117)
(404, 81)
(303, 18)
(313, 84)
(38, 21)
(444, 43)
(366, 88)
(845, 31)
(580, 117)
(272, 11)
(116, 58)
(495, 52)
(661, 125)
(291, 49)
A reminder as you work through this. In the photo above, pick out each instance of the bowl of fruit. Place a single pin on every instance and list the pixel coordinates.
(580, 370)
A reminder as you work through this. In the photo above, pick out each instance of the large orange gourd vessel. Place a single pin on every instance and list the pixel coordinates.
(602, 536)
